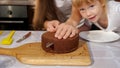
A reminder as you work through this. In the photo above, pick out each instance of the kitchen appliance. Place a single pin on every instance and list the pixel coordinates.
(13, 17)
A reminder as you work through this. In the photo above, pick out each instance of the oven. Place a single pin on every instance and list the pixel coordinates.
(13, 17)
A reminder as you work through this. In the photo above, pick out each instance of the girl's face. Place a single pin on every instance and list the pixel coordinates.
(92, 11)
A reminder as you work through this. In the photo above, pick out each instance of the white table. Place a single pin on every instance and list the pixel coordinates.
(104, 55)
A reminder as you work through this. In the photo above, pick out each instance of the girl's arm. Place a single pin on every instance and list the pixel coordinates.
(68, 29)
(75, 17)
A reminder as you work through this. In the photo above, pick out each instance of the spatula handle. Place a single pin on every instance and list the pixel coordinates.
(5, 51)
(11, 34)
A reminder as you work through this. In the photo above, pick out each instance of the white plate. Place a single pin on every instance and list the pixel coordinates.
(99, 36)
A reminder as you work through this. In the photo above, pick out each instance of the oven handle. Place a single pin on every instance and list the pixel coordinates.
(11, 21)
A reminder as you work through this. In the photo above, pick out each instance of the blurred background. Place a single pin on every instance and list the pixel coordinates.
(17, 14)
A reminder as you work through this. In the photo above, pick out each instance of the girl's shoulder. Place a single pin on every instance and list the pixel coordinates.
(113, 3)
(114, 6)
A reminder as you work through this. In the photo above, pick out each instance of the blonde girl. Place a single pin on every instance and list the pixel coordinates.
(106, 14)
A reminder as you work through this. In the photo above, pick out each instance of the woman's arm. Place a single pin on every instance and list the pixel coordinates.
(51, 26)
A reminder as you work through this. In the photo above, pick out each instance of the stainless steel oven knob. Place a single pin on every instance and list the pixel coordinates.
(10, 12)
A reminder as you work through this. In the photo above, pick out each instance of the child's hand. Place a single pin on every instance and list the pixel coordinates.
(66, 30)
(51, 26)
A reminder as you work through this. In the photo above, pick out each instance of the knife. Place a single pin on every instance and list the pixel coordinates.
(24, 37)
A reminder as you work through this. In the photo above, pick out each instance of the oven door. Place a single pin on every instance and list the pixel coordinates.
(13, 11)
(13, 17)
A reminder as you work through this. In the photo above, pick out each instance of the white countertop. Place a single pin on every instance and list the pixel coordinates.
(104, 55)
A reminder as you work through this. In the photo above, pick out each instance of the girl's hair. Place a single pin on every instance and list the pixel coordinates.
(46, 10)
(78, 3)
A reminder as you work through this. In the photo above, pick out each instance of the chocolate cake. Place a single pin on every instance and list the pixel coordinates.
(54, 45)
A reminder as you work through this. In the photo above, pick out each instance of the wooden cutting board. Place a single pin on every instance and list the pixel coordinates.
(32, 53)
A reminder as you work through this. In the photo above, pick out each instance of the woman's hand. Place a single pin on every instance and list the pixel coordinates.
(65, 30)
(51, 26)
